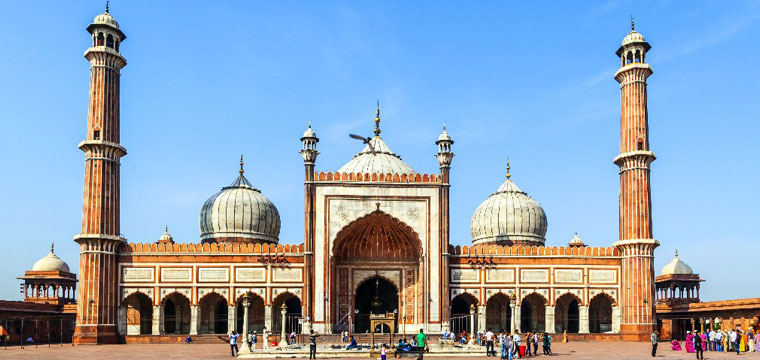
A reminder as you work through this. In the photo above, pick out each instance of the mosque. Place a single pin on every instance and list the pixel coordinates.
(376, 253)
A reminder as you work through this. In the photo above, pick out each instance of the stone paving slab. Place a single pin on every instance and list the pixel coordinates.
(573, 350)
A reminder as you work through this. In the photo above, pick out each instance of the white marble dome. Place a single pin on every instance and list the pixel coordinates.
(381, 161)
(105, 19)
(633, 37)
(239, 213)
(677, 267)
(509, 216)
(50, 262)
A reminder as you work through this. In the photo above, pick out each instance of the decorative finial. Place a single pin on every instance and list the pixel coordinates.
(107, 7)
(676, 252)
(632, 24)
(377, 204)
(52, 247)
(166, 229)
(309, 124)
(241, 164)
(444, 126)
(377, 119)
(508, 174)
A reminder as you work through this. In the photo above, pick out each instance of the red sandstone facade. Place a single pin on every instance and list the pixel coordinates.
(386, 232)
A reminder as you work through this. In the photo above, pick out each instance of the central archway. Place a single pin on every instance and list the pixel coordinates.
(374, 296)
(386, 246)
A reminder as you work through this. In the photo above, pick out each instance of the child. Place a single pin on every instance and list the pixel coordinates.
(382, 353)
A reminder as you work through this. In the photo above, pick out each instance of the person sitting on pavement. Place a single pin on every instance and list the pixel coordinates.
(352, 344)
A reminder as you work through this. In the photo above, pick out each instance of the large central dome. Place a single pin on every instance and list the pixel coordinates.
(509, 217)
(376, 157)
(239, 213)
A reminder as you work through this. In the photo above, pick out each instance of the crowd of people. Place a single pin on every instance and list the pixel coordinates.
(719, 340)
(511, 346)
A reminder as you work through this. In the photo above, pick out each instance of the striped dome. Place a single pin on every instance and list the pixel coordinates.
(509, 216)
(239, 213)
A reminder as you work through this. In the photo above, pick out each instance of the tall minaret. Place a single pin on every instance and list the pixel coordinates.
(444, 156)
(309, 153)
(100, 238)
(636, 242)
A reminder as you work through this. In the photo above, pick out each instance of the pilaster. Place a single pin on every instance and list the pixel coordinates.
(231, 318)
(616, 319)
(583, 319)
(517, 318)
(549, 319)
(158, 319)
(194, 320)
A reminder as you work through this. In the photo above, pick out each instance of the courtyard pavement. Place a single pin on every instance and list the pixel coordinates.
(573, 350)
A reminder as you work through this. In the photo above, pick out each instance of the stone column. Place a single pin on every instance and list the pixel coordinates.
(122, 326)
(246, 303)
(231, 318)
(517, 317)
(178, 319)
(583, 319)
(616, 319)
(482, 318)
(283, 310)
(549, 318)
(472, 320)
(158, 319)
(268, 317)
(194, 320)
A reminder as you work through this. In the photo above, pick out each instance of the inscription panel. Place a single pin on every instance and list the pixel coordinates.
(213, 274)
(250, 275)
(176, 274)
(500, 275)
(598, 276)
(465, 275)
(568, 276)
(137, 274)
(534, 275)
(286, 274)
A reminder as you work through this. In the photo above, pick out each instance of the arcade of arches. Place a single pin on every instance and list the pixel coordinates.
(212, 315)
(533, 314)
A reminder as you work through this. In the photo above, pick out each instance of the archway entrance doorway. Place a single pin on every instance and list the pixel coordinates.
(498, 313)
(375, 296)
(600, 314)
(460, 313)
(533, 313)
(566, 314)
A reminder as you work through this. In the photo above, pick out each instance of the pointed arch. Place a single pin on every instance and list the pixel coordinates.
(377, 236)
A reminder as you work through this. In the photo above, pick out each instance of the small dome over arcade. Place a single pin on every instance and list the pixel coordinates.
(509, 217)
(677, 267)
(576, 241)
(166, 238)
(51, 262)
(239, 213)
(376, 157)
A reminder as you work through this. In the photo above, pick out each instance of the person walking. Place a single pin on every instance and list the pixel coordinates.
(698, 345)
(504, 345)
(536, 340)
(255, 340)
(421, 342)
(265, 338)
(233, 342)
(516, 344)
(654, 338)
(250, 340)
(489, 343)
(546, 341)
(313, 344)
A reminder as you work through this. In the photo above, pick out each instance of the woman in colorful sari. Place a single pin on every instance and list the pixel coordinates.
(725, 341)
(689, 342)
(704, 341)
(757, 342)
(675, 345)
(743, 342)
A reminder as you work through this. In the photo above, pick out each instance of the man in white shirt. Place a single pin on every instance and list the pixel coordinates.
(489, 343)
(265, 338)
(718, 341)
(516, 344)
(711, 341)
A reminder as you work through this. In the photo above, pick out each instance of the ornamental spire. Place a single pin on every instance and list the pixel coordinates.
(508, 174)
(52, 247)
(241, 164)
(107, 7)
(377, 119)
(633, 26)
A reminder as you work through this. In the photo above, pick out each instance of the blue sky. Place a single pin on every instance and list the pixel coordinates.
(207, 81)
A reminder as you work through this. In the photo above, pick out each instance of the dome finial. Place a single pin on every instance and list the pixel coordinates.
(633, 26)
(676, 252)
(377, 119)
(52, 247)
(166, 229)
(241, 164)
(107, 7)
(508, 174)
